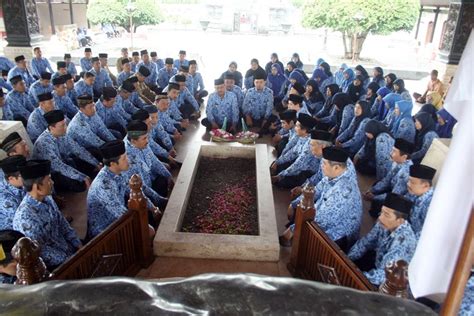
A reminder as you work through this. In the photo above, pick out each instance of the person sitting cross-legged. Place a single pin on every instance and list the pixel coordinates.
(338, 201)
(36, 122)
(258, 104)
(221, 105)
(72, 166)
(39, 218)
(391, 239)
(396, 180)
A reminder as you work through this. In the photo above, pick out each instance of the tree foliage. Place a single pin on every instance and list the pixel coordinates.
(356, 16)
(114, 11)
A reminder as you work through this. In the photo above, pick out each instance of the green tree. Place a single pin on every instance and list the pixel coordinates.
(355, 19)
(114, 11)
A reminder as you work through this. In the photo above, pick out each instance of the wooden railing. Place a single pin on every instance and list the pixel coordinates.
(121, 250)
(315, 256)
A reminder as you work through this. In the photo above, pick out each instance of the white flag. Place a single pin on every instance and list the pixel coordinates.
(433, 264)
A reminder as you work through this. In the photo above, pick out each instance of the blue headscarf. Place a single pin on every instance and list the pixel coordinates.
(319, 62)
(319, 73)
(446, 130)
(391, 98)
(405, 108)
(382, 110)
(346, 82)
(339, 74)
(296, 75)
(276, 81)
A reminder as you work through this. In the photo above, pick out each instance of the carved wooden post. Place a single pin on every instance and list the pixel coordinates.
(304, 212)
(396, 279)
(137, 203)
(30, 268)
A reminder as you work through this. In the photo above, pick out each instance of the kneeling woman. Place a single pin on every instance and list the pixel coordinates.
(374, 158)
(353, 137)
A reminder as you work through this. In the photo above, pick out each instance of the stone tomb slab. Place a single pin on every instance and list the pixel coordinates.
(171, 242)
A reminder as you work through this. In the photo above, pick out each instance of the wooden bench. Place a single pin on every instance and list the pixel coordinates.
(315, 256)
(121, 250)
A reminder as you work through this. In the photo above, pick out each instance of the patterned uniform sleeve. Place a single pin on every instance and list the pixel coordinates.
(246, 105)
(346, 135)
(406, 130)
(290, 155)
(235, 108)
(157, 149)
(383, 160)
(162, 135)
(79, 151)
(268, 103)
(347, 116)
(210, 105)
(366, 243)
(67, 231)
(304, 162)
(427, 140)
(46, 151)
(382, 185)
(190, 98)
(357, 140)
(101, 129)
(157, 166)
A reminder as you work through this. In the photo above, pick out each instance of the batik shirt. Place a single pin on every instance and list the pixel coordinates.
(198, 82)
(406, 130)
(240, 96)
(383, 160)
(105, 201)
(467, 304)
(5, 84)
(65, 104)
(41, 65)
(292, 141)
(5, 63)
(158, 133)
(86, 63)
(72, 94)
(389, 246)
(151, 79)
(126, 105)
(167, 122)
(44, 223)
(258, 104)
(111, 115)
(10, 199)
(294, 152)
(36, 124)
(219, 108)
(36, 89)
(352, 143)
(24, 73)
(339, 206)
(136, 100)
(419, 210)
(164, 76)
(186, 96)
(306, 161)
(71, 68)
(395, 181)
(102, 79)
(61, 151)
(427, 140)
(178, 63)
(123, 76)
(19, 104)
(174, 111)
(89, 131)
(83, 89)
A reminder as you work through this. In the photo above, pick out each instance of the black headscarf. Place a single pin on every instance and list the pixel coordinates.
(316, 95)
(355, 92)
(340, 100)
(431, 110)
(427, 125)
(374, 87)
(375, 128)
(379, 76)
(401, 86)
(358, 119)
(334, 88)
(363, 72)
(392, 77)
(327, 68)
(252, 72)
